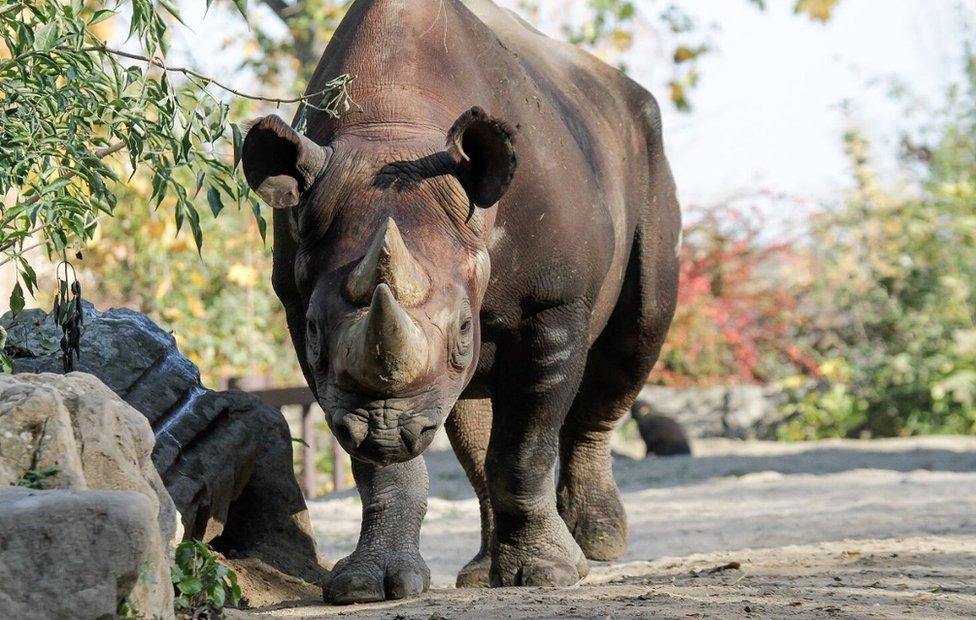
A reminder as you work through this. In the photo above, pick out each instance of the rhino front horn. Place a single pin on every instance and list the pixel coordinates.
(388, 261)
(388, 350)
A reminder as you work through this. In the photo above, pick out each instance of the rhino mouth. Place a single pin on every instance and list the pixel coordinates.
(383, 431)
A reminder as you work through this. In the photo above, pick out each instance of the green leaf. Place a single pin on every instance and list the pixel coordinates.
(241, 6)
(216, 594)
(259, 218)
(201, 176)
(30, 276)
(190, 585)
(215, 201)
(101, 15)
(235, 589)
(17, 299)
(184, 553)
(46, 37)
(238, 142)
(172, 10)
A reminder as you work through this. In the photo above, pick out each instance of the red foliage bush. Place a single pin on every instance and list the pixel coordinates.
(736, 319)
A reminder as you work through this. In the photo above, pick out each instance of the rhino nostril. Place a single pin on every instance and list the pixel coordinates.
(417, 434)
(350, 431)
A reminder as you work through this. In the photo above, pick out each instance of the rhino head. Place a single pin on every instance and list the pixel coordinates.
(390, 266)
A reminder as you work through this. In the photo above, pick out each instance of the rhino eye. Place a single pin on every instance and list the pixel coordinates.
(461, 351)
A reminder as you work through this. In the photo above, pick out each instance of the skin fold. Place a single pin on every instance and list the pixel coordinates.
(486, 239)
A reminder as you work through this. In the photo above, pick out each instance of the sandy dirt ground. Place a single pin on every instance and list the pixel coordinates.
(845, 529)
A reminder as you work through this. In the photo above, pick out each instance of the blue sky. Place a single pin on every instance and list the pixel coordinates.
(768, 110)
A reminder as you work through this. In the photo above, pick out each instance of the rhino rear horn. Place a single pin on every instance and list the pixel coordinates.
(389, 262)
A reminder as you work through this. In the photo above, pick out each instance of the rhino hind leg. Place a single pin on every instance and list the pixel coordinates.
(587, 495)
(617, 367)
(469, 428)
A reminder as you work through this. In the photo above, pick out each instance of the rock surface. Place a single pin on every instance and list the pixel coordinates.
(733, 411)
(86, 547)
(225, 457)
(75, 554)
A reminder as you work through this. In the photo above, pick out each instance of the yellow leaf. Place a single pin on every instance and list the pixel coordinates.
(242, 275)
(820, 10)
(621, 40)
(196, 307)
(164, 286)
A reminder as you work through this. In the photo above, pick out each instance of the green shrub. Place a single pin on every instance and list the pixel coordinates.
(203, 585)
(893, 294)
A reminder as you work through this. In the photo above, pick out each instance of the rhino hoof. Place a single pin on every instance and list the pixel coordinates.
(368, 581)
(597, 520)
(548, 573)
(476, 573)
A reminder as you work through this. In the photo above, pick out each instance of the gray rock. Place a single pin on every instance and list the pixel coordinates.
(75, 554)
(88, 440)
(733, 411)
(225, 457)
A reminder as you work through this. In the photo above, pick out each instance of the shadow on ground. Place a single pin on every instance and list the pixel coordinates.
(730, 458)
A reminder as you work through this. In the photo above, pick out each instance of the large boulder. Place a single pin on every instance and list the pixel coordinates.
(225, 457)
(731, 411)
(77, 554)
(101, 530)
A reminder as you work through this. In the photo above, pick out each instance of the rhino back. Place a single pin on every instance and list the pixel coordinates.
(565, 228)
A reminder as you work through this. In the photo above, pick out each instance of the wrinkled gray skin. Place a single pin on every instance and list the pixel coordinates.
(518, 281)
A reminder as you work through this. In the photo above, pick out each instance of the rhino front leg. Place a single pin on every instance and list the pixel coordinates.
(469, 428)
(538, 376)
(386, 563)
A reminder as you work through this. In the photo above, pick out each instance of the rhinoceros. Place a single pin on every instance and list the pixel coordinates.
(486, 239)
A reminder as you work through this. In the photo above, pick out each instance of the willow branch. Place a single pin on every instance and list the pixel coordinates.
(155, 62)
(115, 147)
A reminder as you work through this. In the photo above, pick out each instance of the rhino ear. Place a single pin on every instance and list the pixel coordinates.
(280, 164)
(483, 151)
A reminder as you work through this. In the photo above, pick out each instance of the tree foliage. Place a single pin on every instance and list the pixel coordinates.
(609, 28)
(876, 302)
(79, 118)
(69, 103)
(738, 303)
(893, 304)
